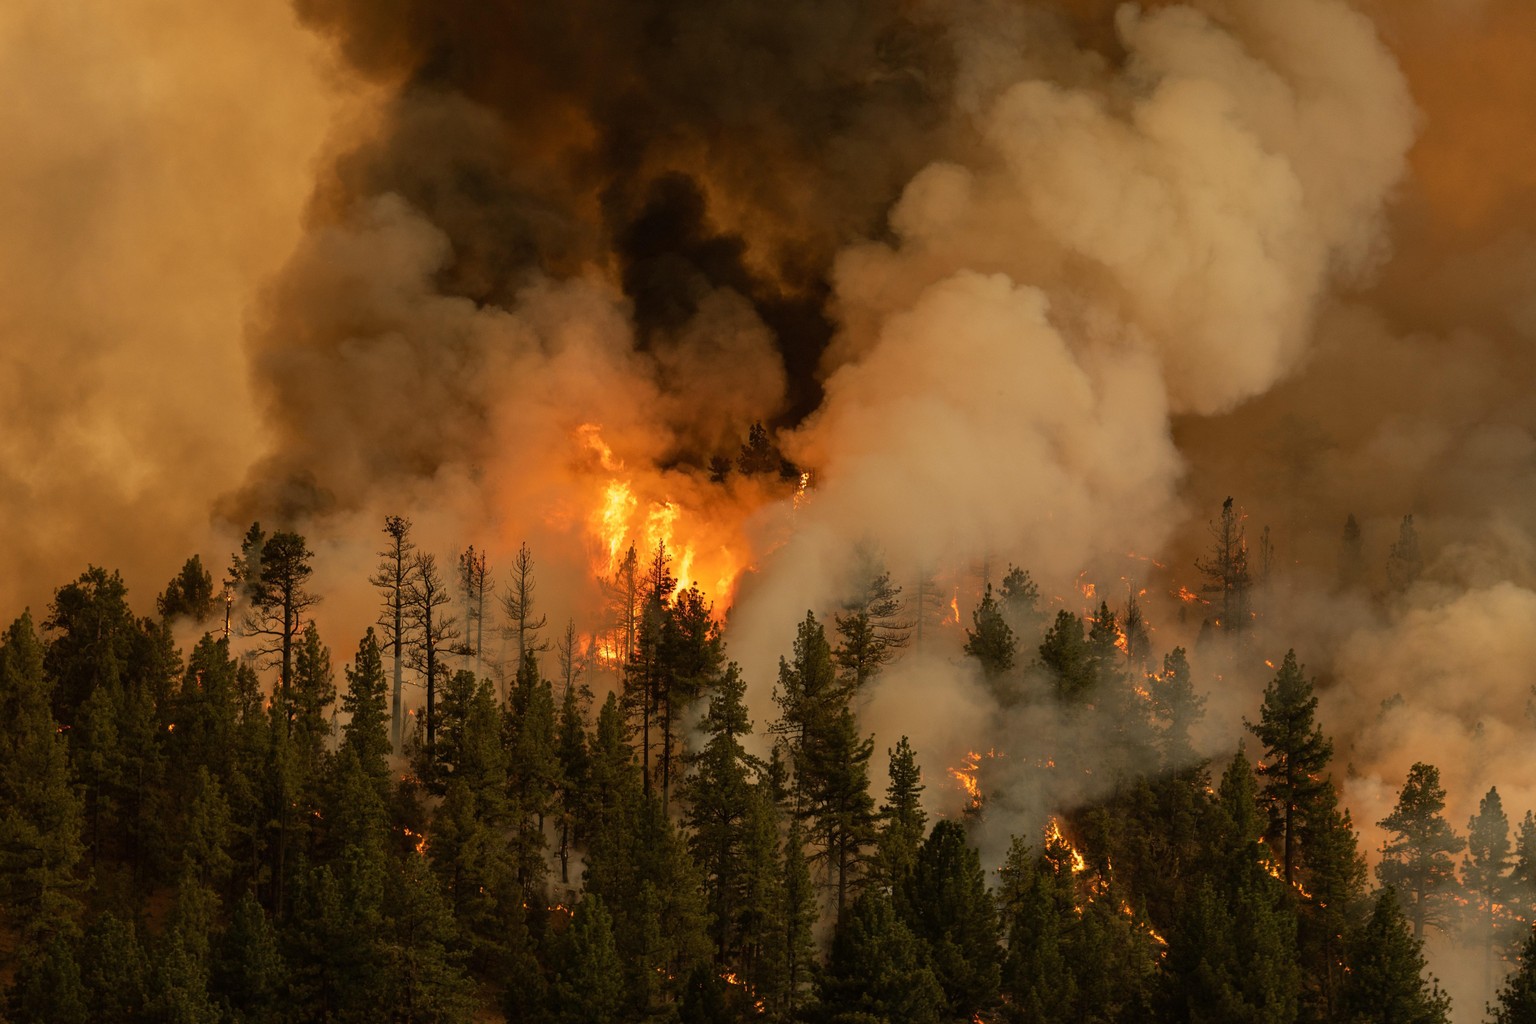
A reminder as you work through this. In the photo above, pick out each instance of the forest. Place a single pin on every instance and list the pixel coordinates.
(239, 832)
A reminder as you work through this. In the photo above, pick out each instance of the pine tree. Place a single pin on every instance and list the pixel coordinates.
(1227, 576)
(1176, 710)
(366, 732)
(250, 976)
(396, 566)
(1522, 879)
(870, 626)
(47, 987)
(517, 604)
(279, 598)
(875, 972)
(1332, 889)
(991, 642)
(1404, 562)
(432, 631)
(422, 975)
(1232, 957)
(1485, 876)
(948, 908)
(1295, 754)
(1417, 860)
(189, 594)
(114, 971)
(1036, 903)
(40, 811)
(1021, 606)
(1517, 999)
(474, 578)
(693, 661)
(1064, 653)
(902, 820)
(1386, 981)
(646, 668)
(719, 803)
(589, 988)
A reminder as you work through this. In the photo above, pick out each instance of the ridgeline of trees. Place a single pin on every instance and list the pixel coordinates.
(200, 837)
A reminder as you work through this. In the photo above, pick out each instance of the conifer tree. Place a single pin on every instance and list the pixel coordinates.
(573, 767)
(1232, 957)
(1295, 754)
(876, 970)
(1386, 980)
(1516, 1003)
(1064, 653)
(397, 563)
(432, 631)
(1021, 606)
(1227, 576)
(1404, 562)
(517, 604)
(947, 906)
(870, 626)
(366, 732)
(1333, 887)
(694, 655)
(719, 799)
(422, 974)
(47, 987)
(991, 642)
(902, 820)
(250, 974)
(1485, 877)
(40, 811)
(1351, 555)
(1416, 859)
(646, 667)
(474, 579)
(189, 593)
(589, 988)
(114, 970)
(279, 598)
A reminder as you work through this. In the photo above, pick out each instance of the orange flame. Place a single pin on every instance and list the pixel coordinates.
(966, 776)
(625, 516)
(1188, 596)
(1053, 837)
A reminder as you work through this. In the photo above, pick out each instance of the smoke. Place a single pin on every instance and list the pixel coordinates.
(1039, 283)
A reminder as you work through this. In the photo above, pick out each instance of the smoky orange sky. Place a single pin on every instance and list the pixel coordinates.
(159, 159)
(1034, 282)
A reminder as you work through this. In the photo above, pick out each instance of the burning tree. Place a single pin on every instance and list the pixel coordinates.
(1295, 752)
(1227, 577)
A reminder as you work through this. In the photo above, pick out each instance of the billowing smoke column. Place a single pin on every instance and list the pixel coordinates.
(972, 262)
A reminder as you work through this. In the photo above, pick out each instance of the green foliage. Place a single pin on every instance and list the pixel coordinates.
(589, 987)
(1516, 1002)
(189, 594)
(948, 907)
(1064, 654)
(1295, 755)
(902, 819)
(40, 811)
(1387, 982)
(876, 972)
(991, 640)
(1416, 860)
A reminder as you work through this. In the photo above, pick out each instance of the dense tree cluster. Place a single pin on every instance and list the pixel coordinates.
(204, 837)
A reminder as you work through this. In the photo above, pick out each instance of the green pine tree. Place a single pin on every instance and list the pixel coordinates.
(1416, 860)
(1386, 980)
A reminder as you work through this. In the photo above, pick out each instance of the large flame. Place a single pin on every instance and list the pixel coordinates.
(636, 509)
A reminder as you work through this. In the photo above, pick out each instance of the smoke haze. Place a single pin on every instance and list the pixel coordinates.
(1037, 283)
